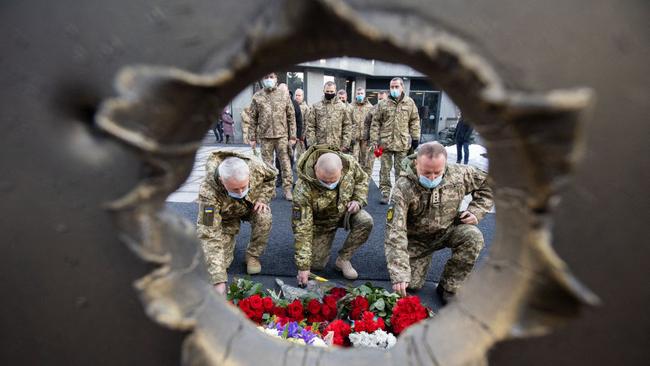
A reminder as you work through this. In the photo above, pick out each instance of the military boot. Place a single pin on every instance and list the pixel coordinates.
(253, 265)
(346, 267)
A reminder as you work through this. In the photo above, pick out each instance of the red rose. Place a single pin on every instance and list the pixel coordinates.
(338, 292)
(358, 306)
(267, 302)
(341, 331)
(279, 311)
(407, 312)
(330, 300)
(315, 318)
(256, 302)
(295, 310)
(244, 305)
(314, 306)
(328, 313)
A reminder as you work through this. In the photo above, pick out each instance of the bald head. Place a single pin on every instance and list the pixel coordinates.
(431, 160)
(328, 168)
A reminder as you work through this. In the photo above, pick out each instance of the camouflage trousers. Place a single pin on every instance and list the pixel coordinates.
(366, 158)
(465, 241)
(299, 149)
(218, 242)
(280, 146)
(389, 159)
(361, 225)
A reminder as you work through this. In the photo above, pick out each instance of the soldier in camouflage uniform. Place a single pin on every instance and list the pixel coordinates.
(330, 193)
(396, 127)
(360, 109)
(236, 187)
(424, 218)
(272, 122)
(343, 97)
(304, 110)
(245, 123)
(366, 149)
(329, 121)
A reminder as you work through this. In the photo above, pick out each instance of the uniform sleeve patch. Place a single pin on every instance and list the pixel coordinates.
(389, 214)
(296, 213)
(208, 215)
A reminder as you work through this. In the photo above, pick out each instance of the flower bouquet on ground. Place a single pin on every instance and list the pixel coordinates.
(363, 316)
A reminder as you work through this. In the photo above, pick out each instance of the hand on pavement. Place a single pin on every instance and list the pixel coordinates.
(220, 288)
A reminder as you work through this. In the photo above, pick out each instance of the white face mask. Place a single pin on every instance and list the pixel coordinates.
(238, 196)
(268, 83)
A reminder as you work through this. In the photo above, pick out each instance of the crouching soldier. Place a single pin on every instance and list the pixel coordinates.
(330, 192)
(424, 218)
(236, 187)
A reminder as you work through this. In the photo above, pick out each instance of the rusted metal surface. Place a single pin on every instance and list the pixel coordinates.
(110, 181)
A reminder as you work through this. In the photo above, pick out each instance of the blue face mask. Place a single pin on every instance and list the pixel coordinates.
(360, 98)
(329, 186)
(238, 196)
(428, 183)
(395, 93)
(268, 83)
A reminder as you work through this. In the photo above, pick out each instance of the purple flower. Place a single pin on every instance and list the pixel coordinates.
(307, 336)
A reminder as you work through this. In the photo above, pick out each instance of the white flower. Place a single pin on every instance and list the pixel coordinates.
(378, 339)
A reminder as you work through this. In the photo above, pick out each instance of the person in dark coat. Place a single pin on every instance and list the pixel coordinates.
(228, 126)
(462, 136)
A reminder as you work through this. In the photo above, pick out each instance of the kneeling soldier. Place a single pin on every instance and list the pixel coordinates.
(236, 187)
(424, 218)
(330, 191)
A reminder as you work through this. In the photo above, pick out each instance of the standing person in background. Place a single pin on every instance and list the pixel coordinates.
(396, 128)
(343, 97)
(462, 136)
(369, 162)
(228, 125)
(245, 123)
(304, 111)
(329, 123)
(273, 122)
(217, 129)
(360, 109)
(299, 128)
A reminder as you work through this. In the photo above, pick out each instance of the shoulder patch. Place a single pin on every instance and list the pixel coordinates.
(390, 213)
(208, 215)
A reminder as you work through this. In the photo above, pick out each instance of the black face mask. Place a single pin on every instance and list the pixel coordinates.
(329, 96)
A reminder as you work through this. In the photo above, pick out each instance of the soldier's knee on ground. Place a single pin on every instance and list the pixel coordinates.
(364, 220)
(470, 235)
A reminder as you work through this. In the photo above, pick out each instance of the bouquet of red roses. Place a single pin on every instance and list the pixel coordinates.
(407, 312)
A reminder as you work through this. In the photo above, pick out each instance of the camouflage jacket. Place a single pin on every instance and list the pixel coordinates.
(272, 115)
(215, 205)
(315, 205)
(358, 117)
(395, 124)
(329, 124)
(421, 213)
(304, 109)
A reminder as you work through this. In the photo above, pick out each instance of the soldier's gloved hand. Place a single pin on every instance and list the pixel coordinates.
(261, 207)
(468, 218)
(400, 288)
(220, 288)
(303, 278)
(292, 141)
(353, 207)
